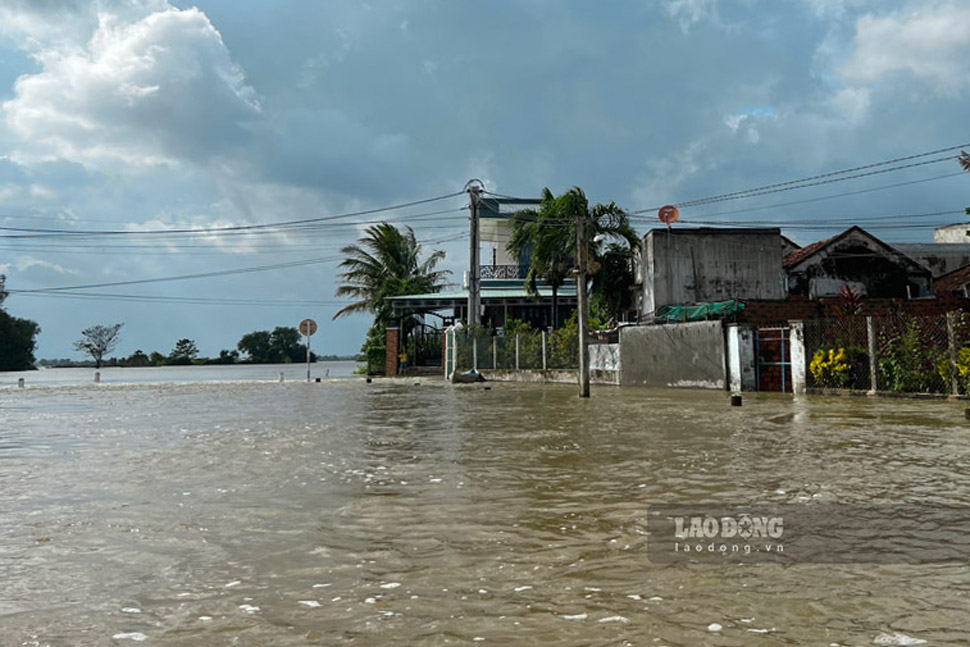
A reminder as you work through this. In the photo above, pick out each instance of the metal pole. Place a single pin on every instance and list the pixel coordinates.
(582, 303)
(307, 355)
(475, 353)
(474, 269)
(543, 350)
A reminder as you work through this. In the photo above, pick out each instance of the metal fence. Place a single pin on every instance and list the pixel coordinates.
(901, 353)
(534, 350)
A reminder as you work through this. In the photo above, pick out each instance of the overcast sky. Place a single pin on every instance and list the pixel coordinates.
(152, 114)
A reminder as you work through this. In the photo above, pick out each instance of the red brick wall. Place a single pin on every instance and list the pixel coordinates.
(772, 313)
(392, 343)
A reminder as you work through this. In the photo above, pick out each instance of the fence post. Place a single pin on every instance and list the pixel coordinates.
(475, 353)
(951, 335)
(494, 353)
(543, 350)
(873, 360)
(516, 351)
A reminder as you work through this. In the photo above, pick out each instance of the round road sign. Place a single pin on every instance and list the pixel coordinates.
(308, 327)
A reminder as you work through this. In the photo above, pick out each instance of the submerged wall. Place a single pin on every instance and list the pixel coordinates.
(674, 355)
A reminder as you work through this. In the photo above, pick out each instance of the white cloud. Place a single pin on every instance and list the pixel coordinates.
(930, 44)
(154, 91)
(25, 263)
(690, 12)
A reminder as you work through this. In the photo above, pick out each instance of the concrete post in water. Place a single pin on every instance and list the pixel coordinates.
(543, 350)
(281, 377)
(799, 362)
(475, 353)
(97, 377)
(736, 400)
(20, 383)
(873, 360)
(494, 352)
(951, 335)
(516, 351)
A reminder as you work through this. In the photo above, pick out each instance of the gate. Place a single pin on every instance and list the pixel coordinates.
(773, 359)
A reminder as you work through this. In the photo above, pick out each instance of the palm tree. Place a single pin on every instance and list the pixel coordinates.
(550, 234)
(386, 262)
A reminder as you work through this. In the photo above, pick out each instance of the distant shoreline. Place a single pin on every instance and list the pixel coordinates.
(55, 363)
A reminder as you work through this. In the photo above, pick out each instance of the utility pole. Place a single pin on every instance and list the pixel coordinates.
(582, 304)
(474, 189)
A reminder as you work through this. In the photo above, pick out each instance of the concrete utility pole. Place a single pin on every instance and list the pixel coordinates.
(582, 304)
(474, 189)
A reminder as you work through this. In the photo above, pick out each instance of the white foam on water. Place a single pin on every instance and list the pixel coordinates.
(477, 639)
(370, 601)
(249, 608)
(655, 598)
(635, 596)
(714, 627)
(336, 599)
(390, 585)
(519, 589)
(759, 631)
(747, 621)
(322, 586)
(578, 616)
(309, 603)
(130, 610)
(434, 481)
(232, 584)
(615, 619)
(897, 639)
(591, 588)
(134, 635)
(205, 618)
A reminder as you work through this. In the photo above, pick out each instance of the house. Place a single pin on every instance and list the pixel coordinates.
(503, 293)
(859, 259)
(703, 265)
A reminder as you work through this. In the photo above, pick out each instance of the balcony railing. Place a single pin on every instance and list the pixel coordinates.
(504, 271)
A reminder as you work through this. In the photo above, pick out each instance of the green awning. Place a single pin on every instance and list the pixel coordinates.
(699, 311)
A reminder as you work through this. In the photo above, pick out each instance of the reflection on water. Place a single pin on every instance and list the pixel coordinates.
(424, 514)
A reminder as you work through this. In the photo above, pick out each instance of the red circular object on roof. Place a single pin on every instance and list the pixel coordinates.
(668, 214)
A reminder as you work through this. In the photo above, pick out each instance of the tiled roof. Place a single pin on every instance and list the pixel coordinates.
(952, 282)
(795, 257)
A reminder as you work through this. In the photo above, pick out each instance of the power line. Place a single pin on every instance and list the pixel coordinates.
(769, 188)
(234, 228)
(201, 275)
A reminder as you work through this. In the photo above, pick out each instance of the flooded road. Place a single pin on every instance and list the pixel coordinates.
(397, 513)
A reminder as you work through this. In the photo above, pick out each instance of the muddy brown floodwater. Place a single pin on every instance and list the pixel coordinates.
(424, 514)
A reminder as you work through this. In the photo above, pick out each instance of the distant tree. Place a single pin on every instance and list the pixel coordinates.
(138, 358)
(157, 359)
(98, 340)
(228, 356)
(17, 338)
(17, 342)
(285, 342)
(184, 352)
(280, 346)
(257, 345)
